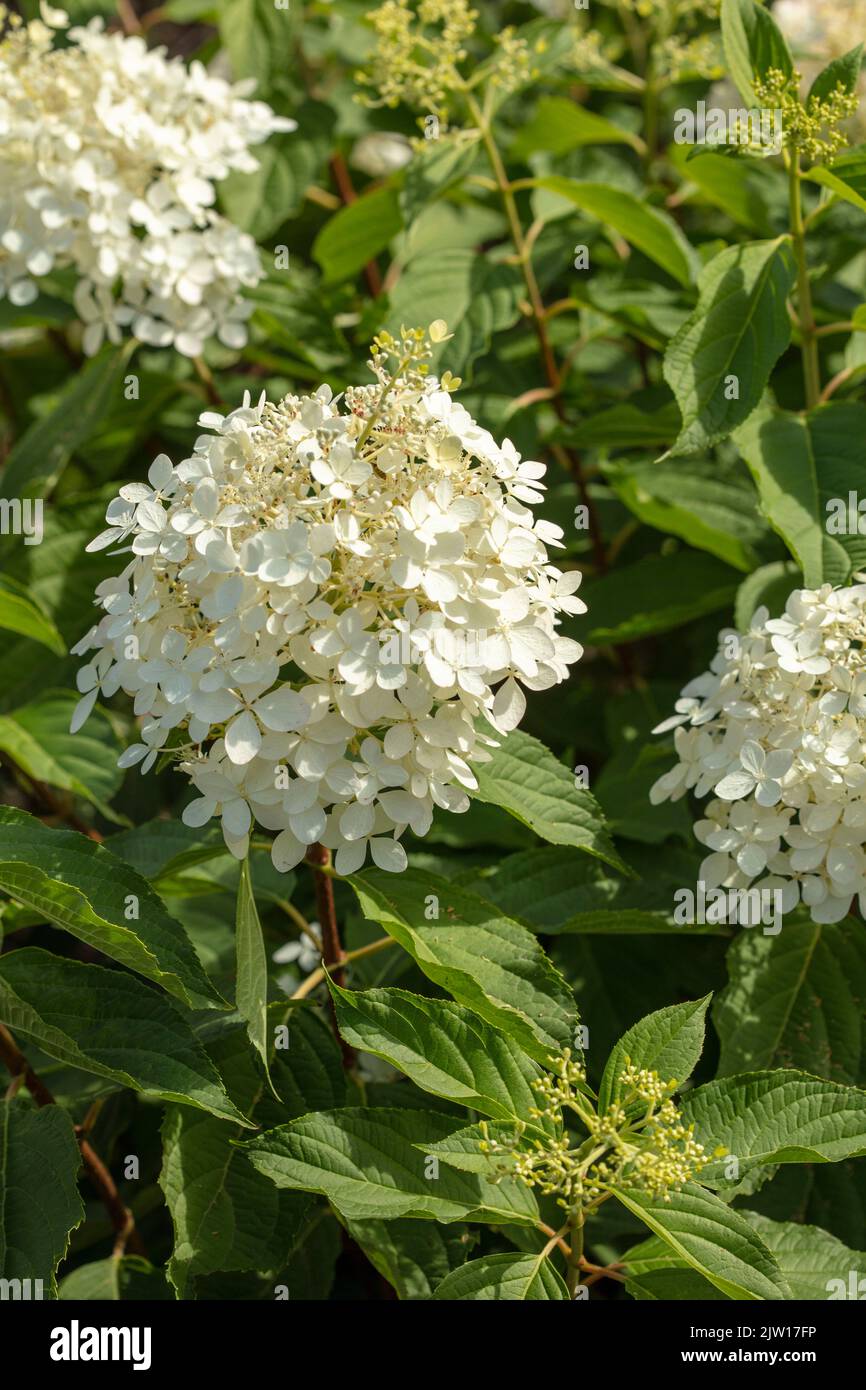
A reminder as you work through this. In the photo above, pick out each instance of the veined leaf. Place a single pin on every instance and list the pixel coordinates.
(127, 1279)
(443, 1048)
(753, 44)
(655, 594)
(108, 1022)
(795, 1000)
(76, 883)
(651, 230)
(669, 1042)
(252, 967)
(804, 467)
(719, 361)
(489, 963)
(227, 1216)
(766, 1117)
(39, 1200)
(528, 781)
(713, 1239)
(504, 1277)
(560, 125)
(369, 1163)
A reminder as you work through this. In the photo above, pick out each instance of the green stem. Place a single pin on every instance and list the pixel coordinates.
(809, 342)
(575, 1224)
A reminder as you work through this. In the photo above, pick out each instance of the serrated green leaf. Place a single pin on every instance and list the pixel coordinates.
(713, 1239)
(108, 1022)
(368, 1163)
(669, 1042)
(528, 781)
(39, 1200)
(718, 363)
(770, 1117)
(504, 1277)
(75, 882)
(128, 1278)
(492, 965)
(443, 1048)
(753, 44)
(803, 465)
(795, 1000)
(226, 1216)
(559, 125)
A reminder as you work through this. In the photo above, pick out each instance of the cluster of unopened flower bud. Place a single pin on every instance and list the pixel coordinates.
(812, 127)
(421, 55)
(652, 1150)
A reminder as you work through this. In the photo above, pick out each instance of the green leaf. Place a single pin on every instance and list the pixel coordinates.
(531, 784)
(560, 125)
(815, 1264)
(804, 468)
(252, 967)
(368, 1163)
(558, 891)
(74, 882)
(669, 1042)
(730, 184)
(433, 170)
(649, 229)
(797, 999)
(846, 176)
(842, 72)
(37, 738)
(443, 1048)
(691, 500)
(476, 297)
(713, 1239)
(129, 1278)
(655, 1273)
(731, 341)
(39, 1201)
(656, 594)
(753, 44)
(108, 1022)
(20, 613)
(41, 454)
(257, 36)
(413, 1256)
(770, 586)
(495, 1277)
(226, 1215)
(768, 1117)
(357, 233)
(492, 965)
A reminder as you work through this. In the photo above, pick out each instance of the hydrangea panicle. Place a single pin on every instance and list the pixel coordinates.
(330, 610)
(109, 159)
(776, 730)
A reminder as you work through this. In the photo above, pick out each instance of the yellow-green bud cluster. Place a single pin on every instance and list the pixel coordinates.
(653, 1150)
(812, 127)
(418, 53)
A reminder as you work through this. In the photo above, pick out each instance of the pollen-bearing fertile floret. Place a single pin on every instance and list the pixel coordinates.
(777, 731)
(326, 606)
(109, 153)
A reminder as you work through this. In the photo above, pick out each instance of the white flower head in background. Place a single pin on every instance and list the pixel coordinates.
(776, 731)
(331, 609)
(109, 157)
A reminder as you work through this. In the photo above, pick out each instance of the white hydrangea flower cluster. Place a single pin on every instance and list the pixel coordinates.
(109, 153)
(776, 729)
(325, 605)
